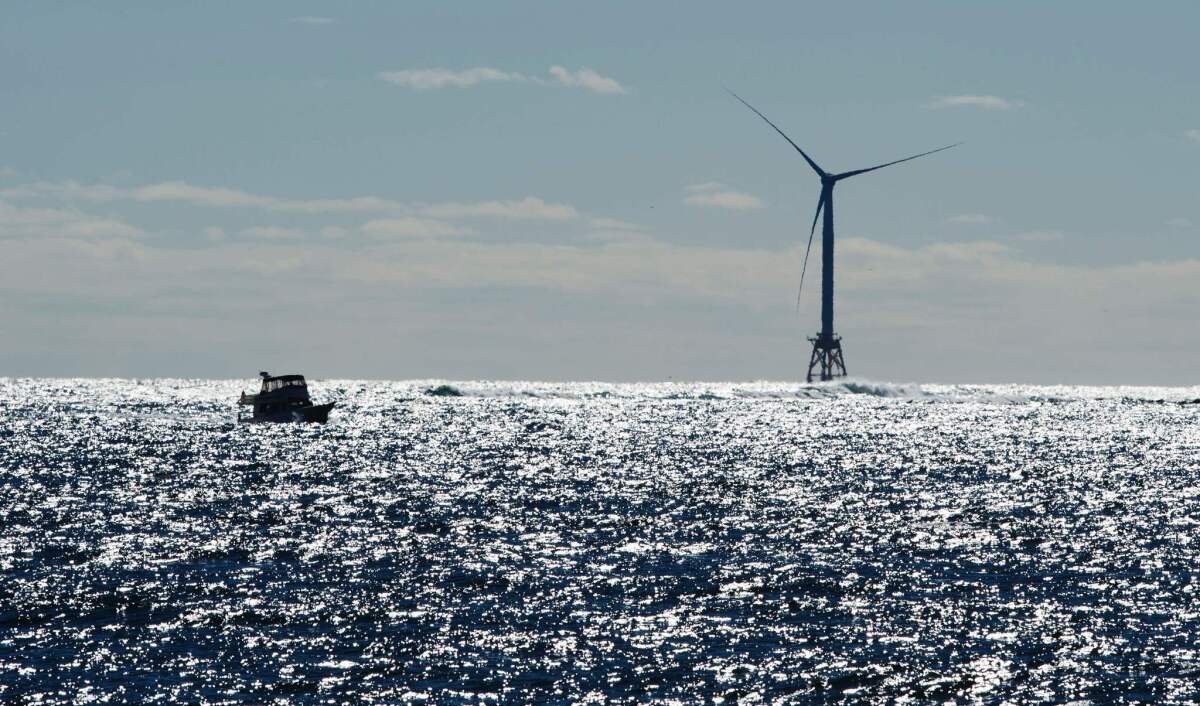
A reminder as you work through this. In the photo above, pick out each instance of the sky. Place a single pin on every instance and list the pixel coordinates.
(565, 191)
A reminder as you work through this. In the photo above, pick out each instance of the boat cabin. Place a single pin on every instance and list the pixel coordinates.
(271, 384)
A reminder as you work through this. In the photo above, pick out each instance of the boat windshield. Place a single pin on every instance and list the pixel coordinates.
(280, 383)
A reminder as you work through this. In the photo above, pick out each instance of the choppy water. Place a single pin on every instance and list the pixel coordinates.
(759, 543)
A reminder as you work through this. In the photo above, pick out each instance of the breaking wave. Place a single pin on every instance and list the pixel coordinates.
(782, 390)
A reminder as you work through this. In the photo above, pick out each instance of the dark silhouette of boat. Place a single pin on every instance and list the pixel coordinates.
(283, 398)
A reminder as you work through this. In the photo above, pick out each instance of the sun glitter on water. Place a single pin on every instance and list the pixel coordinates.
(659, 543)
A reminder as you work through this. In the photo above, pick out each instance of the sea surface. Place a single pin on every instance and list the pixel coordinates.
(598, 543)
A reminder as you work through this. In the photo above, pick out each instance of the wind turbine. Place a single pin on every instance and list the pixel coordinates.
(827, 346)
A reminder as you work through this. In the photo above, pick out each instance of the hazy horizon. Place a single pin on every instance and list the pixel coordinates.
(520, 387)
(566, 193)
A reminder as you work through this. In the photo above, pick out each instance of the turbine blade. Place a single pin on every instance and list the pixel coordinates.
(845, 175)
(811, 232)
(818, 170)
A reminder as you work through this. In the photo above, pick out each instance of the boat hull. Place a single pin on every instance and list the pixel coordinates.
(318, 414)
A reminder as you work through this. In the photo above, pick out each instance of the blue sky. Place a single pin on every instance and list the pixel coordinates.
(564, 191)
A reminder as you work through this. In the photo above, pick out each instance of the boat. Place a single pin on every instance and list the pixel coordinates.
(283, 398)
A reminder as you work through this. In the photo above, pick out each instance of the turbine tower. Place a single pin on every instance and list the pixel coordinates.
(827, 345)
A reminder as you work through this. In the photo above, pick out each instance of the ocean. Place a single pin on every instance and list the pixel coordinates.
(599, 543)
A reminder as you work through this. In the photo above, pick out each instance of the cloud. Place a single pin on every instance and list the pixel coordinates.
(970, 219)
(430, 79)
(18, 223)
(586, 78)
(871, 270)
(67, 190)
(7, 172)
(99, 228)
(214, 233)
(716, 195)
(528, 208)
(334, 232)
(974, 283)
(983, 300)
(971, 101)
(110, 249)
(733, 200)
(1193, 135)
(204, 196)
(312, 20)
(615, 230)
(272, 233)
(1041, 236)
(615, 224)
(183, 192)
(412, 228)
(1179, 223)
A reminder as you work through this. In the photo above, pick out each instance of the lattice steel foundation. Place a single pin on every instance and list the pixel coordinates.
(827, 355)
